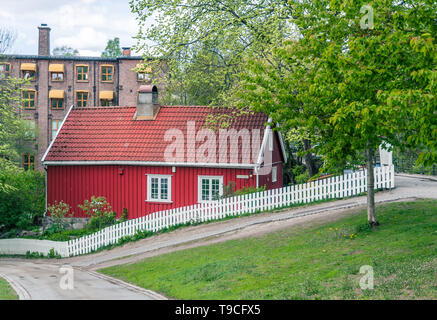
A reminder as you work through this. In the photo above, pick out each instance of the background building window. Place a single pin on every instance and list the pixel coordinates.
(57, 104)
(29, 75)
(82, 99)
(159, 188)
(55, 127)
(107, 72)
(274, 174)
(106, 103)
(142, 76)
(209, 188)
(28, 162)
(57, 76)
(29, 99)
(5, 70)
(29, 132)
(82, 73)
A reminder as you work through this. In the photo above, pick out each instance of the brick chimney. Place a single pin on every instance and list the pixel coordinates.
(44, 40)
(126, 52)
(147, 103)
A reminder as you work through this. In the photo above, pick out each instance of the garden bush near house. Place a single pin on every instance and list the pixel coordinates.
(300, 174)
(100, 213)
(22, 203)
(59, 211)
(229, 190)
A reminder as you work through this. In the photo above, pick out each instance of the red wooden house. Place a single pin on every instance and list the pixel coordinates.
(148, 157)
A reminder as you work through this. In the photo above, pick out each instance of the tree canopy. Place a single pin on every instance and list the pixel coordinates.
(112, 49)
(204, 41)
(65, 51)
(352, 80)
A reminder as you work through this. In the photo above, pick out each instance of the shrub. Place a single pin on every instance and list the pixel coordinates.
(22, 204)
(249, 190)
(100, 212)
(58, 212)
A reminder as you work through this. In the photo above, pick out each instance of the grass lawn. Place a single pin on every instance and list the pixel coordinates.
(6, 292)
(320, 262)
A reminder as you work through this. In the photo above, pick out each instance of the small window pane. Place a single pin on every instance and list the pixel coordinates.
(164, 188)
(154, 193)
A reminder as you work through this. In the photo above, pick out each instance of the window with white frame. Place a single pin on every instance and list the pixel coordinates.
(274, 174)
(209, 188)
(159, 188)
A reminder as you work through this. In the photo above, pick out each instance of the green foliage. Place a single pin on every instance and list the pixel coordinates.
(34, 255)
(65, 51)
(12, 127)
(344, 87)
(99, 211)
(53, 254)
(58, 212)
(229, 190)
(112, 49)
(24, 200)
(52, 233)
(205, 42)
(249, 190)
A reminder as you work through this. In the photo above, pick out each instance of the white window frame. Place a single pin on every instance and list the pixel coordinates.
(199, 187)
(149, 188)
(274, 174)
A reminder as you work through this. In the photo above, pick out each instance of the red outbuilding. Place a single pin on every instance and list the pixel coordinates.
(149, 157)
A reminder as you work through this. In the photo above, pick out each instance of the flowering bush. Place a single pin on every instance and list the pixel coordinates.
(100, 212)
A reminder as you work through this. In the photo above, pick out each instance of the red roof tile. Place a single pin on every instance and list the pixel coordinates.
(111, 134)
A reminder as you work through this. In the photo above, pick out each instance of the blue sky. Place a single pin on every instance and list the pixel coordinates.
(85, 25)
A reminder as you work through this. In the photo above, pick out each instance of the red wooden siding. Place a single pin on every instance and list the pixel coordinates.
(126, 186)
(277, 161)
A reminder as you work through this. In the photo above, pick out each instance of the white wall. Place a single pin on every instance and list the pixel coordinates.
(21, 246)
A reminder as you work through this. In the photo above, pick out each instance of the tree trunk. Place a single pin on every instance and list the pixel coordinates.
(371, 214)
(309, 161)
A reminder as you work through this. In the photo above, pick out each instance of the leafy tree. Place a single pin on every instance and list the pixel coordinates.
(205, 41)
(22, 197)
(205, 44)
(65, 51)
(112, 49)
(12, 127)
(351, 86)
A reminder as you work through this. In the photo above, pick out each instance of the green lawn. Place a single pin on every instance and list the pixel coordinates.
(6, 292)
(306, 263)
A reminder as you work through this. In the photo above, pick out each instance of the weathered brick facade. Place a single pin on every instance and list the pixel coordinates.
(124, 85)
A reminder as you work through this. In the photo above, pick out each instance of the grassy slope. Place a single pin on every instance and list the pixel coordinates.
(6, 292)
(306, 263)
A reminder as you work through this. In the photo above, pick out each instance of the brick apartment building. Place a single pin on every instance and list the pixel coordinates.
(57, 82)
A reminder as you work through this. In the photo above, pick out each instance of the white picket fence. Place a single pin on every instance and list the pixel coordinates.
(329, 188)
